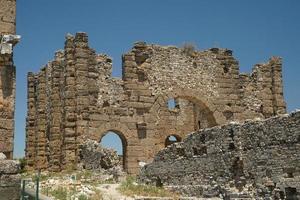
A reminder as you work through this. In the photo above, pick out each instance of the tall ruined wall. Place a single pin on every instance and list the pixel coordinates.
(255, 159)
(74, 97)
(7, 75)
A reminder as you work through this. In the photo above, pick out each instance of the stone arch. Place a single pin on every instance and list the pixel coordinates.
(180, 121)
(127, 137)
(169, 142)
(124, 145)
(194, 96)
(207, 113)
(200, 99)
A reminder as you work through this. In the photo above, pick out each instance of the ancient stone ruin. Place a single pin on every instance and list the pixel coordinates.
(10, 179)
(95, 157)
(74, 98)
(253, 160)
(7, 75)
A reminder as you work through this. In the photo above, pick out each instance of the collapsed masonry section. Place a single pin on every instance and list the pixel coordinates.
(254, 160)
(74, 98)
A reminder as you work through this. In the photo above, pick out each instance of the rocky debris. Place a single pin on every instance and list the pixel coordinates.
(75, 183)
(2, 156)
(93, 156)
(251, 160)
(9, 167)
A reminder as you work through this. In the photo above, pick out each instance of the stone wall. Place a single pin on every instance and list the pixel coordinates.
(74, 97)
(256, 159)
(10, 179)
(8, 16)
(7, 75)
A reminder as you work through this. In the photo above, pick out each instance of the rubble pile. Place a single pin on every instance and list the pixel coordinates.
(93, 156)
(255, 159)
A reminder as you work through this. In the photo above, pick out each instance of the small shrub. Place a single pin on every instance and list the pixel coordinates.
(22, 164)
(189, 49)
(82, 197)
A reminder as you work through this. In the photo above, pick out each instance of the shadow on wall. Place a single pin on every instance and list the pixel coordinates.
(7, 74)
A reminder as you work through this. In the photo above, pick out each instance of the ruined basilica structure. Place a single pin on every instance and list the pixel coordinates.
(74, 97)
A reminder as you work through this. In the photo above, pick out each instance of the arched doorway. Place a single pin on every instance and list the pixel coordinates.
(171, 139)
(115, 140)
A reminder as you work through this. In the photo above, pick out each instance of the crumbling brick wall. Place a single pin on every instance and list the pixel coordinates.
(257, 159)
(74, 97)
(7, 75)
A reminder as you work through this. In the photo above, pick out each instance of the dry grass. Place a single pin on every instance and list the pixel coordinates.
(189, 49)
(131, 188)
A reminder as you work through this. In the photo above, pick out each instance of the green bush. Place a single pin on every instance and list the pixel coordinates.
(22, 164)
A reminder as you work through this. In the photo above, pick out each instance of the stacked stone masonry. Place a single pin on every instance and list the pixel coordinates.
(74, 98)
(253, 160)
(10, 179)
(7, 75)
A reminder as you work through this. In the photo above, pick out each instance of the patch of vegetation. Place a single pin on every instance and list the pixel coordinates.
(108, 181)
(82, 197)
(22, 165)
(59, 193)
(189, 49)
(131, 188)
(96, 196)
(86, 174)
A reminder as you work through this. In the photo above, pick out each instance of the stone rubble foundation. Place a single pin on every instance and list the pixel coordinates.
(252, 160)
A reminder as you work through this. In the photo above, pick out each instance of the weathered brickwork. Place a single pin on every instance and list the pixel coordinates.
(8, 16)
(255, 160)
(7, 75)
(10, 179)
(74, 97)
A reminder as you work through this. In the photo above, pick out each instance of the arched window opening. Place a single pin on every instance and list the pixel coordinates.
(116, 141)
(172, 104)
(171, 139)
(192, 112)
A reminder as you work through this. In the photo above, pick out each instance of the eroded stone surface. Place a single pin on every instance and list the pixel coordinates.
(10, 180)
(7, 75)
(8, 16)
(256, 160)
(74, 98)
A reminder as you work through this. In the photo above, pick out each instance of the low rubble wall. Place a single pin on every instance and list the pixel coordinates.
(256, 159)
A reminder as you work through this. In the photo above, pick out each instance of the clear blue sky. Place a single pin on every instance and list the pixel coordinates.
(254, 29)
